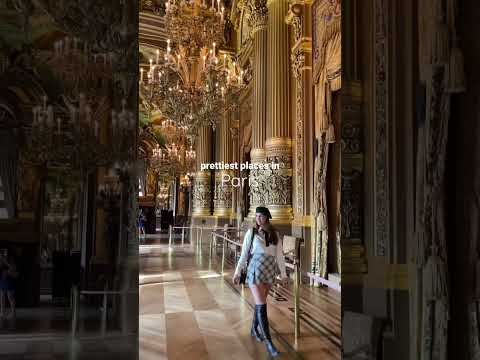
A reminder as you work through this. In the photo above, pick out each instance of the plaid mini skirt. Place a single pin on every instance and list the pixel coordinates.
(262, 269)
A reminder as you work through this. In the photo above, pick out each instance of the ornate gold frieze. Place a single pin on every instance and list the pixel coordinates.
(306, 221)
(202, 194)
(294, 18)
(155, 6)
(256, 187)
(277, 184)
(258, 18)
(299, 156)
(223, 194)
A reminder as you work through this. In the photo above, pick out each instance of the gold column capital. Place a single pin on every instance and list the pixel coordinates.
(257, 155)
(270, 2)
(278, 142)
(258, 19)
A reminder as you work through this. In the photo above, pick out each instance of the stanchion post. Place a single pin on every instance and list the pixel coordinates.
(104, 313)
(190, 234)
(74, 310)
(170, 230)
(183, 236)
(223, 255)
(235, 261)
(211, 242)
(124, 327)
(297, 289)
(297, 302)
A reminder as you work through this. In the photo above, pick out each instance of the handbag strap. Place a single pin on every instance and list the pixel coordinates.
(250, 246)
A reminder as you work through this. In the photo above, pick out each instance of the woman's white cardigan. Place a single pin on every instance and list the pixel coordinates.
(259, 247)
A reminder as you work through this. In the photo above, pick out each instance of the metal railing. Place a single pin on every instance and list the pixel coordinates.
(75, 302)
(171, 230)
(323, 281)
(198, 230)
(225, 240)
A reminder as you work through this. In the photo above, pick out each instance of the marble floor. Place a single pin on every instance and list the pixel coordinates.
(61, 347)
(189, 311)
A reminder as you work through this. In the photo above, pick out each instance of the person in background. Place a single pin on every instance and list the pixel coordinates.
(8, 273)
(266, 262)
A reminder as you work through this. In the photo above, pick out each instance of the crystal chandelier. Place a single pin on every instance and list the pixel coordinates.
(169, 156)
(69, 130)
(192, 90)
(192, 23)
(122, 128)
(173, 159)
(190, 155)
(173, 133)
(44, 141)
(194, 84)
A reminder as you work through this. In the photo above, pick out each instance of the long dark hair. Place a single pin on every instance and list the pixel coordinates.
(270, 232)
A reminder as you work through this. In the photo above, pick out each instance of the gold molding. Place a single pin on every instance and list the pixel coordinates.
(388, 277)
(397, 277)
(352, 89)
(306, 221)
(25, 215)
(301, 2)
(257, 154)
(203, 174)
(303, 44)
(278, 141)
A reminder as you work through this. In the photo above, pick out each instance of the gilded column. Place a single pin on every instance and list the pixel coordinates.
(300, 19)
(223, 178)
(234, 130)
(258, 22)
(202, 192)
(278, 183)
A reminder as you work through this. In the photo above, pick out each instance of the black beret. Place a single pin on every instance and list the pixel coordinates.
(264, 211)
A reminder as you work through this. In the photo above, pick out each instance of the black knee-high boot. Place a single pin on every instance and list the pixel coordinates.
(264, 328)
(254, 331)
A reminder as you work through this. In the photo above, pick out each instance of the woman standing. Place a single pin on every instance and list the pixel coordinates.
(266, 262)
(141, 223)
(8, 273)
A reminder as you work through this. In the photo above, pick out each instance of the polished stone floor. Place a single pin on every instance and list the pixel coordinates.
(60, 347)
(189, 311)
(45, 333)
